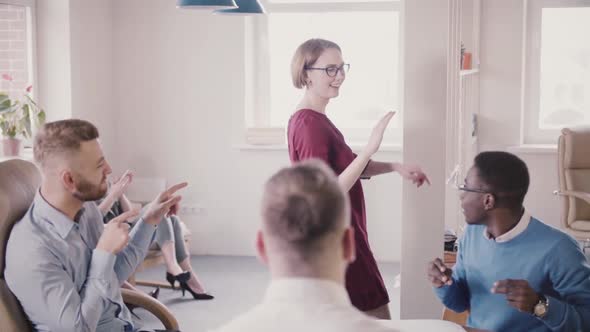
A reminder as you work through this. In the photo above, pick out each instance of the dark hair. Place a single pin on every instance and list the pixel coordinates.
(63, 136)
(506, 175)
(302, 205)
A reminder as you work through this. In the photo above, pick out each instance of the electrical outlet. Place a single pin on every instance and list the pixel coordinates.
(192, 210)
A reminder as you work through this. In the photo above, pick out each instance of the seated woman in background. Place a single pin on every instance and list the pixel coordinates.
(168, 238)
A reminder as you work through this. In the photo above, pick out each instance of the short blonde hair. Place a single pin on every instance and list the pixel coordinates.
(60, 137)
(305, 56)
(302, 205)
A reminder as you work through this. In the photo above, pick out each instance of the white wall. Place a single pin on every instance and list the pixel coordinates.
(179, 108)
(91, 24)
(500, 102)
(53, 58)
(74, 56)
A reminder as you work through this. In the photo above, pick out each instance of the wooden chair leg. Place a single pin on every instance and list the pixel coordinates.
(152, 305)
(153, 284)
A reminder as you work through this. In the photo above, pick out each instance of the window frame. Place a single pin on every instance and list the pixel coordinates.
(31, 40)
(531, 133)
(257, 70)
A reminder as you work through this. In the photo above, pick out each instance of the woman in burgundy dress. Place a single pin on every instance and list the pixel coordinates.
(318, 66)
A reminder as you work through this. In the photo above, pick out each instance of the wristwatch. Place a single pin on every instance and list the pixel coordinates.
(540, 309)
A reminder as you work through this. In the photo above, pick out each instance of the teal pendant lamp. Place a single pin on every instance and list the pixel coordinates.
(206, 4)
(245, 7)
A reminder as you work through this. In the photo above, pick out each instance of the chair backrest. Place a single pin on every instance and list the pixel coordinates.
(574, 175)
(19, 181)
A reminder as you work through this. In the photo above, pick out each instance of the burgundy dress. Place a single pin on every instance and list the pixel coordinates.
(312, 135)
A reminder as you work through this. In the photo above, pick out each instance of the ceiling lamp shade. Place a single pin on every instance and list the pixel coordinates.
(245, 7)
(206, 4)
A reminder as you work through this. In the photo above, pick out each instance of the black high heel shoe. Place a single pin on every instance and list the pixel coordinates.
(132, 307)
(155, 293)
(184, 276)
(181, 276)
(183, 279)
(197, 296)
(171, 280)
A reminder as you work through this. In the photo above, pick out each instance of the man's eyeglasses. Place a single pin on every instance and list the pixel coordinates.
(453, 181)
(332, 71)
(463, 187)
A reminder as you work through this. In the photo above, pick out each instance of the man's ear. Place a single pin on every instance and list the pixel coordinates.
(349, 245)
(489, 202)
(67, 180)
(261, 247)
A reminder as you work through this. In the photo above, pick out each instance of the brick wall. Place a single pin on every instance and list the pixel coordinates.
(14, 48)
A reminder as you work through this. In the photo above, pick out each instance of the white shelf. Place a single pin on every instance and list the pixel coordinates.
(469, 72)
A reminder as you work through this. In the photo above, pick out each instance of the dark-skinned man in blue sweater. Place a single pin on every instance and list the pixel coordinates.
(513, 272)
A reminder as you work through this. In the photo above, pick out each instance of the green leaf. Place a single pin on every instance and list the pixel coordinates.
(41, 117)
(4, 127)
(19, 117)
(5, 104)
(26, 121)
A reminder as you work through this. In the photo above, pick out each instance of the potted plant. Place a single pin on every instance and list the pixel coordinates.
(19, 118)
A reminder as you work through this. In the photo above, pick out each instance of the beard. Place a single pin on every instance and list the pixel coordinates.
(87, 191)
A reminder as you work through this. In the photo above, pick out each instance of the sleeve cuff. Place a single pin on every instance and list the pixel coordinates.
(555, 313)
(102, 265)
(452, 297)
(441, 292)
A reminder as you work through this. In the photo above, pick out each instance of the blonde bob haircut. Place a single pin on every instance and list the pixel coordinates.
(305, 56)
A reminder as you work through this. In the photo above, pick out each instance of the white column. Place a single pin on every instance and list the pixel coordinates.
(53, 58)
(425, 57)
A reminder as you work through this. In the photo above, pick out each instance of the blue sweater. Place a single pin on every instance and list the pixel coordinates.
(550, 260)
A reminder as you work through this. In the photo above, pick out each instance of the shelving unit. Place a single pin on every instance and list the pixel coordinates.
(463, 102)
(467, 72)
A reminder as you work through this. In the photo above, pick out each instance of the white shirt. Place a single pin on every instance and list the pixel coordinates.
(523, 223)
(304, 305)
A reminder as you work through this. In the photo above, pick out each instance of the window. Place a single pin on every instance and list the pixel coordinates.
(369, 36)
(16, 45)
(557, 92)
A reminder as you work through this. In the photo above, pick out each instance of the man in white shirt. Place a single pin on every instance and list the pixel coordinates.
(307, 242)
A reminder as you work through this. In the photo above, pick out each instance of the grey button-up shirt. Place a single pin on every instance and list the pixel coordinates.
(63, 282)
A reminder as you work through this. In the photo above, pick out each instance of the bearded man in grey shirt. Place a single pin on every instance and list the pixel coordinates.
(62, 263)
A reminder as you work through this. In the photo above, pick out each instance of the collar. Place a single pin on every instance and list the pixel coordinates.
(306, 290)
(520, 227)
(62, 223)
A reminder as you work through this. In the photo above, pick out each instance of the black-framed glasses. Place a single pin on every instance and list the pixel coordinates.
(464, 187)
(496, 195)
(332, 71)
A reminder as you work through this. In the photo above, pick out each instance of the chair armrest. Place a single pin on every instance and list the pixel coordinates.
(577, 194)
(152, 305)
